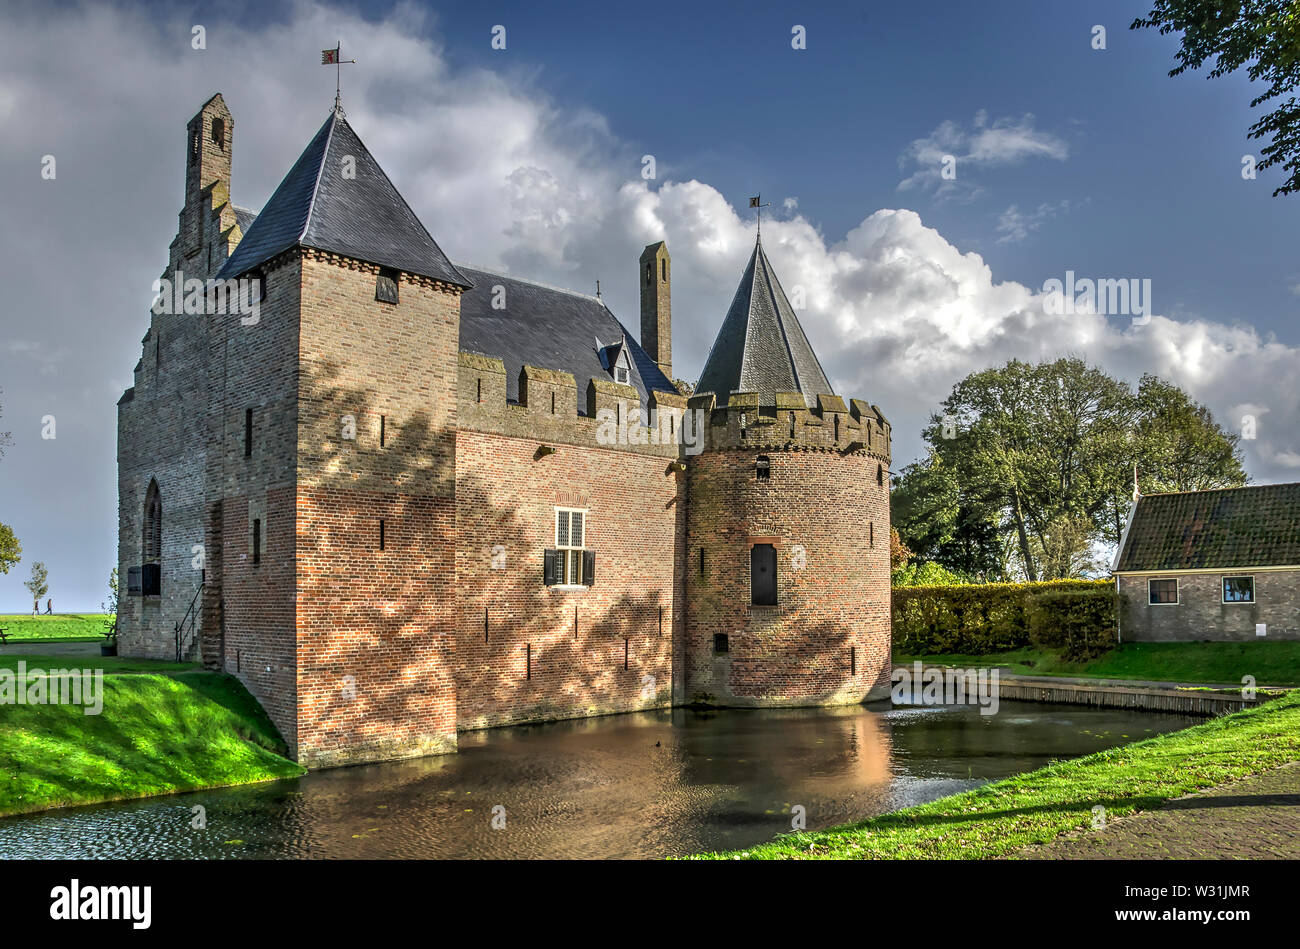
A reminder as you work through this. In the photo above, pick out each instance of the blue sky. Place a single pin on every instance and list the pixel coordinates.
(529, 159)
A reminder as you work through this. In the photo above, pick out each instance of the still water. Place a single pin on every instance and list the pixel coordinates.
(640, 785)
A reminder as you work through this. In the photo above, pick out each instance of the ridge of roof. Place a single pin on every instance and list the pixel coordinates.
(463, 265)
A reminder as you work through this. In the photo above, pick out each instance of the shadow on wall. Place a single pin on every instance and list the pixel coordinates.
(406, 630)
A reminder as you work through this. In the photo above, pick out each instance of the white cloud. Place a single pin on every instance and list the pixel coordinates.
(1015, 225)
(1006, 141)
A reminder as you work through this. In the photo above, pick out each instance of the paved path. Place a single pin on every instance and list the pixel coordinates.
(1255, 818)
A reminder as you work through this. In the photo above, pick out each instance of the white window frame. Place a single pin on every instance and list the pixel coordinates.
(1237, 576)
(624, 373)
(1178, 591)
(570, 565)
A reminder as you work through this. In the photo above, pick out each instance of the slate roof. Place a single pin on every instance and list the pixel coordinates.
(761, 347)
(244, 218)
(549, 328)
(362, 217)
(1256, 526)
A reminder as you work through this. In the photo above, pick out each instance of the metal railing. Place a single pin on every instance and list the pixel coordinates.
(183, 639)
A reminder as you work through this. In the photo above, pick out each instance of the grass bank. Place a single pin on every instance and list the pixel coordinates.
(157, 734)
(1275, 663)
(60, 626)
(999, 819)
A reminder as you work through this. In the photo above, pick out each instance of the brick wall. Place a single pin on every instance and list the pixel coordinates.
(827, 640)
(1200, 613)
(375, 627)
(526, 651)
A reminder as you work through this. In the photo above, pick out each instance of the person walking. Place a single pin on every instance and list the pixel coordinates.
(49, 607)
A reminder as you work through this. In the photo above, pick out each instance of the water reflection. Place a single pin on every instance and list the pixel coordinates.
(641, 785)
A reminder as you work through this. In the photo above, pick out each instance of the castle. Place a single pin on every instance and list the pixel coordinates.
(400, 498)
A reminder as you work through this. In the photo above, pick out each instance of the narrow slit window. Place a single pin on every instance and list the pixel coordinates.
(383, 430)
(382, 528)
(248, 433)
(479, 396)
(257, 540)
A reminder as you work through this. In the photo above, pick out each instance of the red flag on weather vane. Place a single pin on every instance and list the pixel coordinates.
(333, 57)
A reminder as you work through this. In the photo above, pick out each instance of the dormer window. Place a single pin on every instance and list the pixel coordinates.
(621, 375)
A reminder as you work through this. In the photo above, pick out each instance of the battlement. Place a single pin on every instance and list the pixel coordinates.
(790, 425)
(550, 409)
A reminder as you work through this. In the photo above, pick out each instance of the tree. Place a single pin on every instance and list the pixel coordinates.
(39, 583)
(1264, 36)
(10, 550)
(110, 608)
(1030, 467)
(684, 387)
(898, 552)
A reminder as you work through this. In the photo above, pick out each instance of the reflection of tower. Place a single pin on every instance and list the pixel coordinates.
(788, 520)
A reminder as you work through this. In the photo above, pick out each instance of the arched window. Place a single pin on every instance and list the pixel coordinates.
(880, 475)
(663, 269)
(152, 548)
(219, 132)
(151, 544)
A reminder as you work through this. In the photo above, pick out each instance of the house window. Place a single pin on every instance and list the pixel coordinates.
(762, 575)
(763, 468)
(386, 285)
(1161, 592)
(571, 564)
(1238, 589)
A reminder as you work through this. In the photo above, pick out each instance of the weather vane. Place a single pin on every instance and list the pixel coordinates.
(755, 202)
(332, 57)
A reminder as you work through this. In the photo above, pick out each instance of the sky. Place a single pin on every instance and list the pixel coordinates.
(1067, 158)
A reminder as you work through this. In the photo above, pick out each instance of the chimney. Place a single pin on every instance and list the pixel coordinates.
(656, 305)
(209, 138)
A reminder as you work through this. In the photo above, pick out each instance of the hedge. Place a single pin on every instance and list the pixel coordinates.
(1080, 623)
(992, 617)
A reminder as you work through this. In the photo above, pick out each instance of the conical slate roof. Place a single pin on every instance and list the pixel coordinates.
(761, 347)
(336, 198)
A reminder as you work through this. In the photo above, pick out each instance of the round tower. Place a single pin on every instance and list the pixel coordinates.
(787, 574)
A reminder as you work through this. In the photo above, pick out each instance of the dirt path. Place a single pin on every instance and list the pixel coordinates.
(1255, 818)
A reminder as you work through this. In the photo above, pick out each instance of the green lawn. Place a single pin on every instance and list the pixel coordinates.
(1275, 663)
(157, 733)
(66, 626)
(998, 819)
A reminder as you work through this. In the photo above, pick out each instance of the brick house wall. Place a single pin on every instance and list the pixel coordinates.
(1200, 613)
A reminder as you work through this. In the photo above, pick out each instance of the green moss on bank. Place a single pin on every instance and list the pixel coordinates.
(156, 734)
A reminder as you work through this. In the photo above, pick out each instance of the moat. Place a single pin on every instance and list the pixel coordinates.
(641, 785)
